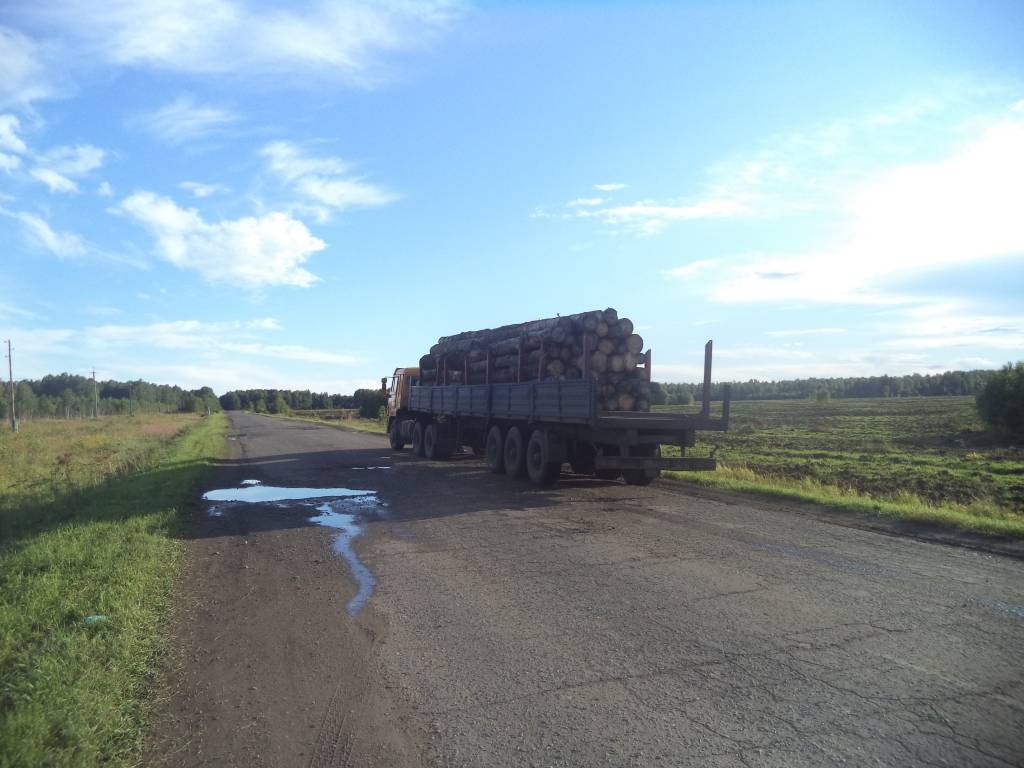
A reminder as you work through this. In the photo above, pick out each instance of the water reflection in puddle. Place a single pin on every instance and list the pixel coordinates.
(338, 508)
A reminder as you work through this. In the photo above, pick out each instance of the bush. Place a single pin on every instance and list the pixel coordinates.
(1001, 402)
(370, 401)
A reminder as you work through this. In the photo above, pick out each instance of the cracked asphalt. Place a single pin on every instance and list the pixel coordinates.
(597, 624)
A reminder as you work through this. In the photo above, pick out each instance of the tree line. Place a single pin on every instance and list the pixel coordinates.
(948, 383)
(69, 396)
(367, 401)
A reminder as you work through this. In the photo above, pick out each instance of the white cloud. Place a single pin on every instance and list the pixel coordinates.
(250, 252)
(62, 244)
(183, 120)
(201, 190)
(104, 189)
(9, 163)
(290, 352)
(692, 269)
(340, 39)
(56, 167)
(585, 201)
(609, 187)
(56, 182)
(24, 77)
(913, 218)
(76, 160)
(1018, 106)
(9, 310)
(322, 180)
(807, 332)
(9, 127)
(649, 217)
(231, 354)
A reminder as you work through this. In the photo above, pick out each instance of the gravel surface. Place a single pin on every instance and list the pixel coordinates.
(593, 624)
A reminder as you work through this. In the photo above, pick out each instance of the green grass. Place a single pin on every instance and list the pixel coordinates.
(348, 421)
(91, 510)
(924, 458)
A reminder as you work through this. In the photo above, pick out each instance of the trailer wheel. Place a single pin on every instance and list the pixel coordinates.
(515, 453)
(437, 444)
(395, 435)
(641, 476)
(417, 438)
(495, 450)
(539, 466)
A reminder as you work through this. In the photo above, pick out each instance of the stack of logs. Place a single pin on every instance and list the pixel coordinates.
(599, 345)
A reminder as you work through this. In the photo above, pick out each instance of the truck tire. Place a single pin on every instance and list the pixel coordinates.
(495, 450)
(417, 438)
(395, 436)
(539, 466)
(641, 476)
(437, 443)
(515, 453)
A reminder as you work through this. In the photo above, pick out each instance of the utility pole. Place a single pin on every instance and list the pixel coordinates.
(10, 374)
(95, 397)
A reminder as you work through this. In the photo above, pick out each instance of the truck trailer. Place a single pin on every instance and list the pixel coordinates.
(532, 428)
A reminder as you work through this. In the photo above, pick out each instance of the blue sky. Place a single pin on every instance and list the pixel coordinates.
(309, 194)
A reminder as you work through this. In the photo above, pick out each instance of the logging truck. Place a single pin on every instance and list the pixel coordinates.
(532, 428)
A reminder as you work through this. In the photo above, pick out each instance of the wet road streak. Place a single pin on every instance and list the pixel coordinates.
(593, 624)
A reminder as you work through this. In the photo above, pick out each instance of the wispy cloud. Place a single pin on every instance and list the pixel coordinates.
(228, 37)
(692, 269)
(24, 79)
(183, 120)
(198, 189)
(324, 182)
(649, 217)
(912, 218)
(57, 167)
(609, 187)
(55, 182)
(10, 126)
(587, 201)
(234, 353)
(807, 332)
(251, 252)
(39, 232)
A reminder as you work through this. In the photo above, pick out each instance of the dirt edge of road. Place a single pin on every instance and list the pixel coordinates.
(931, 533)
(303, 688)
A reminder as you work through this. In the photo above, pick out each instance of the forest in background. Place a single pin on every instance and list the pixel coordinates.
(69, 396)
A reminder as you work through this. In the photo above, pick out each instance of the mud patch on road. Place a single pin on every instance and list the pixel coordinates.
(337, 508)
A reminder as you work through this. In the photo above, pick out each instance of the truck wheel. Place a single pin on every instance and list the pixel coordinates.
(495, 450)
(541, 469)
(430, 441)
(641, 476)
(515, 453)
(417, 438)
(395, 436)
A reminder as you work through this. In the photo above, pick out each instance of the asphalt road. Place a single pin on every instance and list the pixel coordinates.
(594, 624)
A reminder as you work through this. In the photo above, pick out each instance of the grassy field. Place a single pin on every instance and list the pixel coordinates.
(927, 458)
(89, 512)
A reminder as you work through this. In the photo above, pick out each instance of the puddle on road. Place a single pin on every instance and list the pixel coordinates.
(338, 508)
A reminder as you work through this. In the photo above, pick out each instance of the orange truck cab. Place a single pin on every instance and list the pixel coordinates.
(398, 392)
